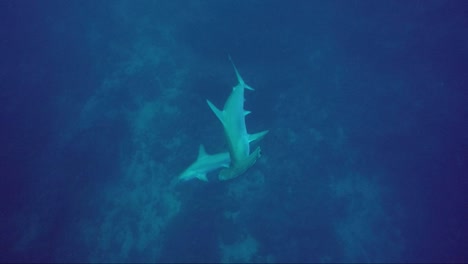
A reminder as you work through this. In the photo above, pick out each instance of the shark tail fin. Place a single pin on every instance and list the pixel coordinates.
(239, 77)
(257, 136)
(217, 112)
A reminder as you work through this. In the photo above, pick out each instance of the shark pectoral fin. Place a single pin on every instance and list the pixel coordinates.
(202, 176)
(257, 136)
(217, 112)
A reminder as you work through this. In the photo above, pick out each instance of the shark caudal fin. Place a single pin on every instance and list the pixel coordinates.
(239, 77)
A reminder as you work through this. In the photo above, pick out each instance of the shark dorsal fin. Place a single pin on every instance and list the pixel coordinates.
(239, 77)
(257, 136)
(201, 151)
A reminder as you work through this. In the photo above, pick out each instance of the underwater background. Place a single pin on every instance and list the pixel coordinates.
(103, 105)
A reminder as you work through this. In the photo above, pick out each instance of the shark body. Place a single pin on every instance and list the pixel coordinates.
(205, 163)
(232, 118)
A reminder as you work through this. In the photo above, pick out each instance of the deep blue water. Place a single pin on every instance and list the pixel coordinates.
(102, 106)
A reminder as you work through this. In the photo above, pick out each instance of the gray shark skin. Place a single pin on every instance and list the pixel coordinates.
(232, 118)
(234, 171)
(205, 163)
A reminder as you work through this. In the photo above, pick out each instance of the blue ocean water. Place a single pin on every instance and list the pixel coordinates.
(103, 105)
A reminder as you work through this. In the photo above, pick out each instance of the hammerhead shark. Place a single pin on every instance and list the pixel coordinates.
(232, 118)
(205, 163)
